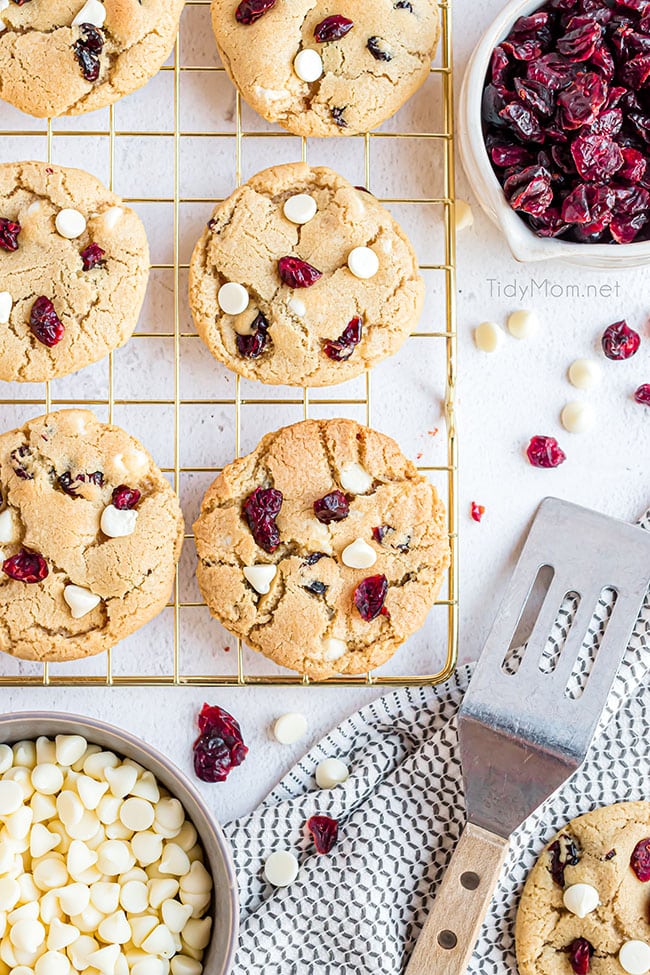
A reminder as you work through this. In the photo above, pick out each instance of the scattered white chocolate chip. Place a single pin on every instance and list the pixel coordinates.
(634, 957)
(260, 577)
(464, 215)
(334, 649)
(81, 601)
(70, 223)
(289, 728)
(581, 899)
(355, 479)
(330, 773)
(358, 555)
(363, 262)
(308, 65)
(300, 208)
(523, 323)
(118, 522)
(297, 306)
(6, 526)
(112, 217)
(281, 868)
(6, 304)
(93, 12)
(488, 336)
(577, 417)
(584, 373)
(233, 298)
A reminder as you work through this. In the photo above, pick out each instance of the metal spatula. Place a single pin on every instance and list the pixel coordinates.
(528, 717)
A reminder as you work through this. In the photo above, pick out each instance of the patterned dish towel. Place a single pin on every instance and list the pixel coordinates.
(358, 909)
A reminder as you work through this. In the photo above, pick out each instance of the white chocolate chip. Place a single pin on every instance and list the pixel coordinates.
(133, 897)
(161, 890)
(464, 215)
(233, 298)
(41, 840)
(90, 791)
(114, 857)
(488, 337)
(6, 304)
(121, 780)
(523, 323)
(281, 868)
(93, 12)
(11, 797)
(363, 262)
(308, 65)
(260, 577)
(118, 522)
(147, 847)
(297, 306)
(183, 965)
(355, 479)
(289, 728)
(47, 779)
(198, 880)
(300, 208)
(105, 959)
(6, 758)
(27, 935)
(115, 929)
(175, 915)
(7, 530)
(3, 6)
(69, 748)
(112, 217)
(334, 649)
(581, 899)
(61, 935)
(137, 814)
(74, 898)
(69, 807)
(577, 417)
(70, 223)
(51, 963)
(160, 942)
(81, 601)
(174, 860)
(584, 373)
(331, 772)
(634, 957)
(358, 555)
(80, 857)
(105, 897)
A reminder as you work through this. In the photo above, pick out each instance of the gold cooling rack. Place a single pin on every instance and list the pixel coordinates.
(157, 668)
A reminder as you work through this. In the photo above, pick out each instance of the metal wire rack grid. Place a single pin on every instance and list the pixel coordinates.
(449, 470)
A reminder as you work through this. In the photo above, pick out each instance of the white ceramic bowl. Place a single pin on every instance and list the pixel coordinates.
(524, 244)
(218, 956)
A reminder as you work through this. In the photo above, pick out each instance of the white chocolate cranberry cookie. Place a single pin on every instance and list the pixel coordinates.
(330, 67)
(585, 909)
(65, 57)
(301, 278)
(74, 266)
(324, 549)
(90, 534)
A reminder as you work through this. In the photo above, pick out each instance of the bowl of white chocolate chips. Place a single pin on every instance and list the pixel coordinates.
(110, 864)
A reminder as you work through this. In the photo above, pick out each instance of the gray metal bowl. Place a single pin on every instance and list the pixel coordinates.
(30, 724)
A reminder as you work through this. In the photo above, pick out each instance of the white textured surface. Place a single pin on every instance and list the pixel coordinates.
(503, 399)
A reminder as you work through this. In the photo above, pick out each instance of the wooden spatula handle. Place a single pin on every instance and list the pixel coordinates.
(451, 930)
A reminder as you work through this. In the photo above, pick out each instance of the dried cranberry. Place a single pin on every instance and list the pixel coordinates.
(536, 96)
(341, 349)
(18, 456)
(477, 511)
(580, 43)
(332, 507)
(526, 40)
(530, 190)
(642, 394)
(619, 341)
(545, 452)
(596, 157)
(45, 323)
(580, 952)
(523, 121)
(338, 117)
(324, 830)
(636, 72)
(634, 165)
(380, 531)
(332, 28)
(251, 346)
(249, 11)
(67, 484)
(563, 852)
(581, 101)
(124, 497)
(314, 557)
(92, 256)
(88, 50)
(588, 204)
(219, 747)
(379, 49)
(610, 855)
(370, 596)
(316, 588)
(507, 154)
(9, 230)
(499, 66)
(296, 273)
(260, 510)
(26, 566)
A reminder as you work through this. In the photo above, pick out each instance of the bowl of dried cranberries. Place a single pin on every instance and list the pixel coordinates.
(555, 129)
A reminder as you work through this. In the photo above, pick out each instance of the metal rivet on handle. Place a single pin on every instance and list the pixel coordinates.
(447, 939)
(469, 880)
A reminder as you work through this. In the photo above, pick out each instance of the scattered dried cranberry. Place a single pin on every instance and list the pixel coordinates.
(9, 231)
(313, 558)
(92, 256)
(370, 596)
(640, 860)
(251, 346)
(341, 349)
(26, 566)
(379, 532)
(45, 323)
(619, 341)
(260, 510)
(88, 50)
(379, 49)
(219, 747)
(477, 511)
(642, 395)
(124, 497)
(563, 852)
(298, 274)
(249, 11)
(545, 452)
(580, 952)
(18, 456)
(332, 28)
(69, 485)
(332, 507)
(325, 831)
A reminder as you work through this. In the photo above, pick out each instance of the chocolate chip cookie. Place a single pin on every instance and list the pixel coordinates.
(324, 68)
(324, 549)
(586, 904)
(65, 57)
(74, 265)
(301, 278)
(90, 534)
